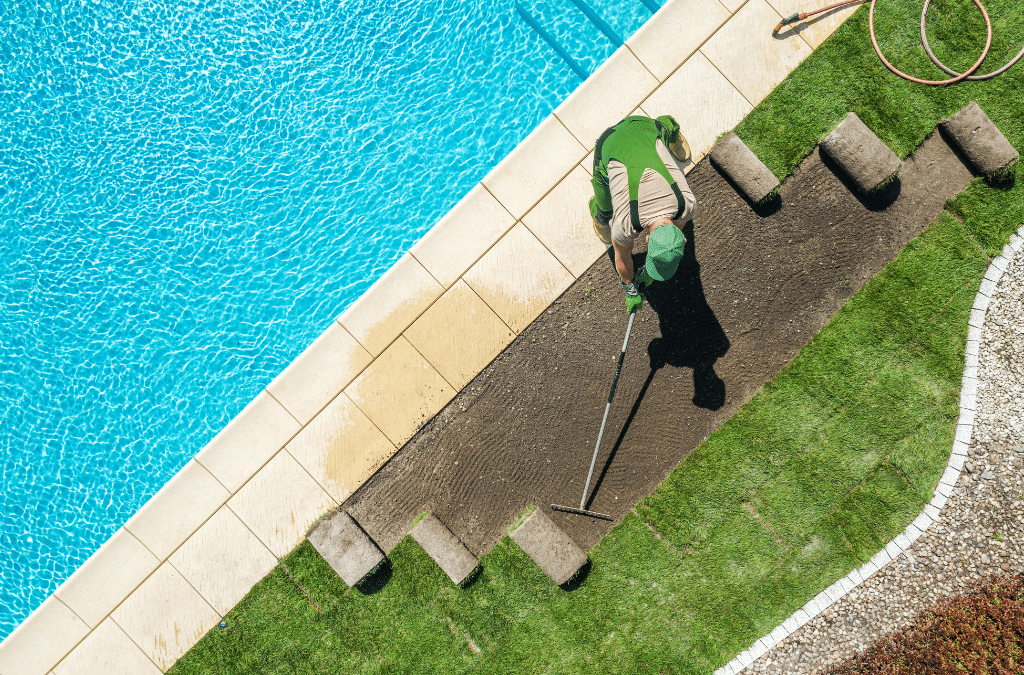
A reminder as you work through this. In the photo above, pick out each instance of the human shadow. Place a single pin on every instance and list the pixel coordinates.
(691, 337)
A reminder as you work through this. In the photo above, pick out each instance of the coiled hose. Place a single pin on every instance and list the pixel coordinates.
(957, 77)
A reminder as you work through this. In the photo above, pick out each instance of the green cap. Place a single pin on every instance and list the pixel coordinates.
(664, 251)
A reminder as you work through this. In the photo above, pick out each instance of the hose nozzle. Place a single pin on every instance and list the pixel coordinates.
(793, 18)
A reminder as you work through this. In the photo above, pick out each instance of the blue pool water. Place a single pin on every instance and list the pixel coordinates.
(191, 190)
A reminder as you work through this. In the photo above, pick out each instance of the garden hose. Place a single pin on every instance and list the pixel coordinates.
(957, 77)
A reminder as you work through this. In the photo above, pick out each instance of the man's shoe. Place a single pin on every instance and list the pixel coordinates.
(680, 149)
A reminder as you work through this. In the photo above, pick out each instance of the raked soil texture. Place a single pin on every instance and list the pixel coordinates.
(753, 288)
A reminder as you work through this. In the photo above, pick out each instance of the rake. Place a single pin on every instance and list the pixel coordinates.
(600, 435)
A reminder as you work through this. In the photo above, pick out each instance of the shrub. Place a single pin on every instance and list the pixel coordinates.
(981, 632)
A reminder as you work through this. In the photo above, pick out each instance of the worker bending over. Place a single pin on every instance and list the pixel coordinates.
(638, 187)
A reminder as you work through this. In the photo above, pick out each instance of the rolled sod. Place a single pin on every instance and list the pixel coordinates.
(732, 157)
(345, 547)
(547, 545)
(980, 140)
(861, 155)
(445, 548)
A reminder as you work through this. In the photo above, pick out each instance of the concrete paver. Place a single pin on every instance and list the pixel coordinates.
(612, 92)
(400, 391)
(391, 304)
(458, 355)
(702, 100)
(42, 640)
(529, 171)
(679, 29)
(518, 278)
(816, 29)
(341, 448)
(563, 224)
(107, 651)
(747, 53)
(459, 239)
(223, 560)
(178, 509)
(319, 373)
(248, 441)
(165, 616)
(107, 577)
(280, 503)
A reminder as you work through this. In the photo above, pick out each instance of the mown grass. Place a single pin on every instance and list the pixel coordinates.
(845, 75)
(827, 463)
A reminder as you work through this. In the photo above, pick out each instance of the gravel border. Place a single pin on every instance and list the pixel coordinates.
(972, 526)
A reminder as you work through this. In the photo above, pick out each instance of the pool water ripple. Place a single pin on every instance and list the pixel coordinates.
(190, 192)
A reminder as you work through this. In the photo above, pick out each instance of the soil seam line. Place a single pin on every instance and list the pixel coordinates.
(764, 523)
(302, 589)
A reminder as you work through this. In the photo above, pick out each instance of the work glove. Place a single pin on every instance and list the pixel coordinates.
(634, 301)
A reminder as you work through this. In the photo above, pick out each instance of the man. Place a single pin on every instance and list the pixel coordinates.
(638, 188)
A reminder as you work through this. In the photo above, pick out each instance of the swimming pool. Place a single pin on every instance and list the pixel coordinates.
(191, 191)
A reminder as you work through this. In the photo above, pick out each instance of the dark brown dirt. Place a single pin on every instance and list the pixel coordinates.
(751, 291)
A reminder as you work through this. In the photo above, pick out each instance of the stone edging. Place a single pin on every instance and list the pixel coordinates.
(903, 541)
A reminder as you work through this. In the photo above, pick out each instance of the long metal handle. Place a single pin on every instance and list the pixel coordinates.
(607, 409)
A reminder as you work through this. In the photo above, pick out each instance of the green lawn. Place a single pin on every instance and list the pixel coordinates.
(845, 75)
(827, 463)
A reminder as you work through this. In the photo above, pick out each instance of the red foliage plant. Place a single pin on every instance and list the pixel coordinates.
(981, 632)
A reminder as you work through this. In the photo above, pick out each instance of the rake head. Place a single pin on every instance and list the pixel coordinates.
(581, 512)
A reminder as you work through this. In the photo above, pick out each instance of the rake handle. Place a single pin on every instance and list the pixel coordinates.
(607, 409)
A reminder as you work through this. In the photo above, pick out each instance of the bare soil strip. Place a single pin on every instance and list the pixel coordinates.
(752, 290)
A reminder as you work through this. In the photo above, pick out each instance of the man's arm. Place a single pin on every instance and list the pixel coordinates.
(623, 261)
